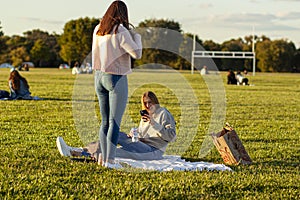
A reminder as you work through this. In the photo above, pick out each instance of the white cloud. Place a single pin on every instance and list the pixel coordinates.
(40, 20)
(205, 5)
(288, 0)
(289, 15)
(267, 22)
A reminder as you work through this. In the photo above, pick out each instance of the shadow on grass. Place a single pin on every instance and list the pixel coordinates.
(268, 140)
(67, 99)
(56, 99)
(283, 164)
(279, 163)
(209, 159)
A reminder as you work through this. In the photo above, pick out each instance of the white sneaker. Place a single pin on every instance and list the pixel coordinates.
(63, 148)
(113, 165)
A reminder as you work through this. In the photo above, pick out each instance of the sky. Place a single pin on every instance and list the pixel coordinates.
(217, 20)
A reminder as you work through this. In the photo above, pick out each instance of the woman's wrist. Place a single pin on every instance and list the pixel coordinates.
(151, 122)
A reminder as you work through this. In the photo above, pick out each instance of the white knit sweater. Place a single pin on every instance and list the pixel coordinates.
(111, 53)
(161, 132)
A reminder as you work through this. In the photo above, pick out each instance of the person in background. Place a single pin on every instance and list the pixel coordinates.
(113, 46)
(231, 79)
(204, 70)
(155, 131)
(241, 80)
(18, 85)
(76, 69)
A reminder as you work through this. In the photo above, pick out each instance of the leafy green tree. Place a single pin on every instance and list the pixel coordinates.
(233, 45)
(161, 23)
(296, 61)
(18, 56)
(275, 56)
(1, 32)
(162, 39)
(264, 55)
(2, 45)
(49, 49)
(76, 40)
(283, 52)
(11, 45)
(248, 40)
(15, 42)
(4, 56)
(210, 45)
(185, 49)
(39, 52)
(34, 35)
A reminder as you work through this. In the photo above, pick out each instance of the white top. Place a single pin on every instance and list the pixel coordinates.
(111, 53)
(161, 132)
(240, 78)
(203, 71)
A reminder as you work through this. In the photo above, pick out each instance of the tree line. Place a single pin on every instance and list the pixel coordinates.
(166, 44)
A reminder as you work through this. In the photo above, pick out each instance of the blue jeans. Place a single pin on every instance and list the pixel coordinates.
(137, 150)
(132, 150)
(112, 92)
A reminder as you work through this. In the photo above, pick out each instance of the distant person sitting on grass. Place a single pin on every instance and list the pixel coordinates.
(155, 131)
(241, 80)
(231, 79)
(18, 85)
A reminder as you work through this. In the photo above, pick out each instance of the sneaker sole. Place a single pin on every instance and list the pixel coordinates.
(63, 148)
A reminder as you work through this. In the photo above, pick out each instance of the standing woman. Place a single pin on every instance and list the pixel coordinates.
(114, 44)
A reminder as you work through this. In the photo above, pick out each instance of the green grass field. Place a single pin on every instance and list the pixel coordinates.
(265, 116)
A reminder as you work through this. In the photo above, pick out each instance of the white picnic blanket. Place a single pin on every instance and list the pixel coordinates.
(173, 162)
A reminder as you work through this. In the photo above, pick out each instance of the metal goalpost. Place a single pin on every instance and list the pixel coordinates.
(223, 54)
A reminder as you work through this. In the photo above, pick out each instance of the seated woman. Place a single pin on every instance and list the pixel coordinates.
(231, 79)
(18, 85)
(241, 80)
(155, 131)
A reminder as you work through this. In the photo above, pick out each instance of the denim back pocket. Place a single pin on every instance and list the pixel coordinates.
(110, 81)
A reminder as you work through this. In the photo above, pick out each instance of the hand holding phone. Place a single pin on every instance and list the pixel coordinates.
(144, 114)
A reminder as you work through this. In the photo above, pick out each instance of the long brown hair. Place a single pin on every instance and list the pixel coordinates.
(15, 78)
(116, 14)
(151, 96)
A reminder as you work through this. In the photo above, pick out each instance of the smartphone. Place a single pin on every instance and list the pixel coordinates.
(144, 112)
